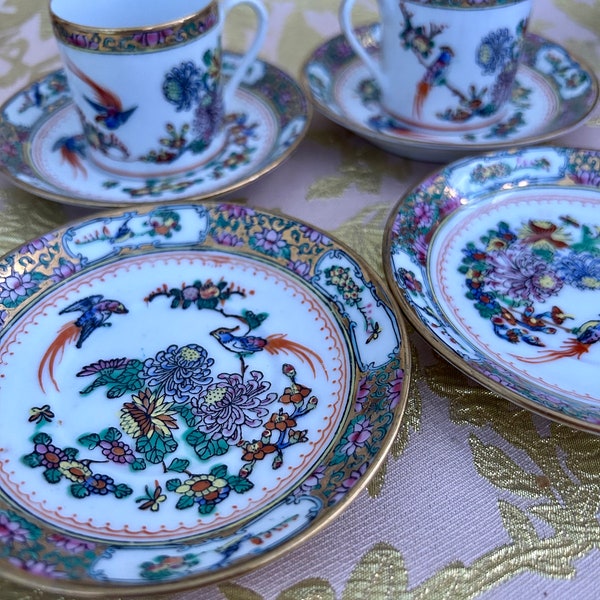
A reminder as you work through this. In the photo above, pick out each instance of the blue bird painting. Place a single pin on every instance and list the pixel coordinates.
(247, 345)
(107, 105)
(435, 75)
(585, 336)
(95, 311)
(72, 151)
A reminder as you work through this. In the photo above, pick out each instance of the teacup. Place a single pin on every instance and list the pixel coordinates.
(146, 79)
(444, 65)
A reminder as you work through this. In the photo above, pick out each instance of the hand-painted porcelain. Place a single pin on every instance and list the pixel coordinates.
(444, 66)
(553, 94)
(146, 79)
(42, 147)
(496, 261)
(200, 388)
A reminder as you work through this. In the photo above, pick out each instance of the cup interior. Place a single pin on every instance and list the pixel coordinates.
(128, 14)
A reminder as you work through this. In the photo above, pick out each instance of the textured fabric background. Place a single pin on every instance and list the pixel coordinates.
(477, 499)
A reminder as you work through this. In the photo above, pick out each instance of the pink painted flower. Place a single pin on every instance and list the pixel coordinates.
(314, 479)
(358, 436)
(521, 274)
(420, 249)
(117, 451)
(101, 365)
(394, 389)
(270, 241)
(314, 236)
(16, 286)
(64, 270)
(299, 267)
(12, 531)
(229, 239)
(38, 568)
(423, 214)
(38, 244)
(70, 544)
(83, 41)
(236, 211)
(151, 39)
(349, 482)
(232, 404)
(364, 389)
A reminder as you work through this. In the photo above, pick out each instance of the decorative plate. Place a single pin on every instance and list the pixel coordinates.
(200, 387)
(496, 261)
(553, 94)
(42, 148)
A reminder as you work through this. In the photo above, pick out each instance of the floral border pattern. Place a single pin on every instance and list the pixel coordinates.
(136, 41)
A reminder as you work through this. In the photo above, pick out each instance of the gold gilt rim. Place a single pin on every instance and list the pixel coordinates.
(127, 40)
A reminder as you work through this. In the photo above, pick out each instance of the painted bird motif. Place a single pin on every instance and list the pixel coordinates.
(246, 345)
(107, 105)
(95, 312)
(123, 233)
(434, 75)
(72, 151)
(585, 336)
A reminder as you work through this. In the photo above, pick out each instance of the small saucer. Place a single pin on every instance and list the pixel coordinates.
(553, 94)
(269, 117)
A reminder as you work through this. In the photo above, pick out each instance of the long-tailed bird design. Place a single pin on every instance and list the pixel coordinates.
(72, 151)
(95, 312)
(435, 75)
(107, 104)
(246, 345)
(585, 335)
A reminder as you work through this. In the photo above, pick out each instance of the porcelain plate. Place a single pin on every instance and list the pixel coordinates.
(496, 261)
(200, 386)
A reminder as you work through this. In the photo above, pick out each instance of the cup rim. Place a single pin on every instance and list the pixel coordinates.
(127, 39)
(461, 5)
(159, 26)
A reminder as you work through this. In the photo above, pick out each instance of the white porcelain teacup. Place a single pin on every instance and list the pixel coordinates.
(444, 65)
(145, 77)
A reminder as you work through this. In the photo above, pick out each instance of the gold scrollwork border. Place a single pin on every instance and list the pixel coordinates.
(134, 41)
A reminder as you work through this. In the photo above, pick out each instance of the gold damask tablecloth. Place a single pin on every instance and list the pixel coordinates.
(477, 498)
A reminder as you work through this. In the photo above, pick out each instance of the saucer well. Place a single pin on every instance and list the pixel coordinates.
(553, 94)
(201, 386)
(42, 148)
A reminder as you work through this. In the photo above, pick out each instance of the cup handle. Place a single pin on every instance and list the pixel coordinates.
(250, 55)
(345, 16)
